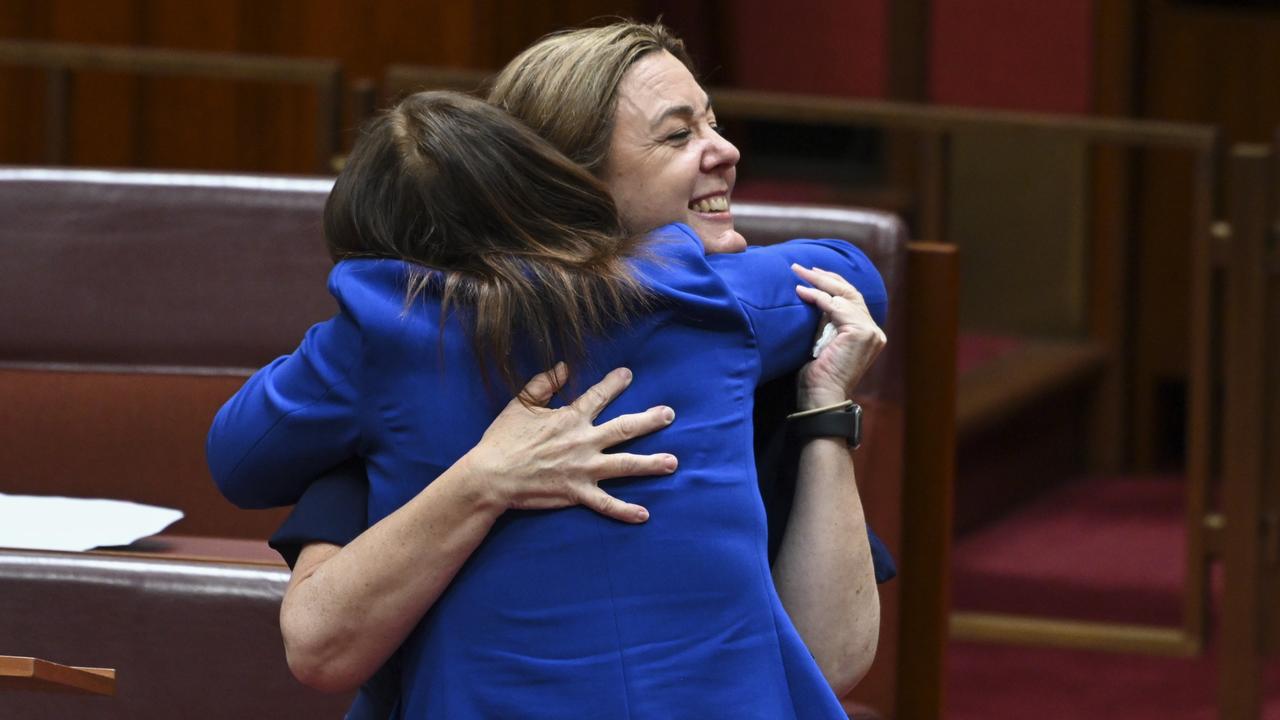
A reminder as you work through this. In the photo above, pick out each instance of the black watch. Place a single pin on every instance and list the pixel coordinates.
(845, 422)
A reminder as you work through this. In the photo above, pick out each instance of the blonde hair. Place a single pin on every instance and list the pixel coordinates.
(565, 86)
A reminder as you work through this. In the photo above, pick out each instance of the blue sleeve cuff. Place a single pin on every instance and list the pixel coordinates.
(885, 567)
(334, 509)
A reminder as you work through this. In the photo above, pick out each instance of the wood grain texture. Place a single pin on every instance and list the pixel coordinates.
(1241, 643)
(933, 288)
(26, 673)
(121, 120)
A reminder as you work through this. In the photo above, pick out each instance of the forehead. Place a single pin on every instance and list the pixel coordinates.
(655, 83)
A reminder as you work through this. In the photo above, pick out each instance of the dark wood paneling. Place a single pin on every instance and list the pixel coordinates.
(21, 89)
(107, 130)
(1199, 63)
(1111, 231)
(202, 123)
(189, 122)
(1160, 332)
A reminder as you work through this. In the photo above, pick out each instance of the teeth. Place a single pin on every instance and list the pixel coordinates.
(718, 203)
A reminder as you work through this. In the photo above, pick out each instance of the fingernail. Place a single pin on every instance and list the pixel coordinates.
(642, 514)
(668, 414)
(670, 463)
(626, 374)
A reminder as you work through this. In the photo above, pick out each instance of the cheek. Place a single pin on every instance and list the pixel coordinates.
(650, 194)
(635, 206)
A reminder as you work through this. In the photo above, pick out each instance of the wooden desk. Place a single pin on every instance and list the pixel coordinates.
(25, 673)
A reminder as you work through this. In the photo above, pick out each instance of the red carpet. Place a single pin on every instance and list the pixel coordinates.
(1098, 549)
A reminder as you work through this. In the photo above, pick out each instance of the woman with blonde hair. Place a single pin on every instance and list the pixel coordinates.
(694, 168)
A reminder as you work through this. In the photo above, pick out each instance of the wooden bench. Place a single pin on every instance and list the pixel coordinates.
(138, 302)
(195, 638)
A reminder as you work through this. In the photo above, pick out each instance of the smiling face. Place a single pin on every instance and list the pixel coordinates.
(667, 161)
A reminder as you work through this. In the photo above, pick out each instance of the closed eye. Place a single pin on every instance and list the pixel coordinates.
(679, 136)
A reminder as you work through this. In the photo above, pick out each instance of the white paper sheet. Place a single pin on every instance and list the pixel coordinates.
(46, 522)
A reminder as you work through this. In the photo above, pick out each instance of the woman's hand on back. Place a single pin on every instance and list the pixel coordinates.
(534, 458)
(841, 362)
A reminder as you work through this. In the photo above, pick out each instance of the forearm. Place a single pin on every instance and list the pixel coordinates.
(346, 610)
(824, 571)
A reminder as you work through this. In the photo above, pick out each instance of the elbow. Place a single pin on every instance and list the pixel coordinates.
(848, 670)
(236, 492)
(320, 653)
(242, 489)
(319, 675)
(851, 659)
(319, 662)
(223, 471)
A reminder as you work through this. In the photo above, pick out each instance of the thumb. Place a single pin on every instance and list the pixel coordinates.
(544, 385)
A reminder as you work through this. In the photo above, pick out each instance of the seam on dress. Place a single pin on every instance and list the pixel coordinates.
(765, 571)
(762, 564)
(777, 636)
(262, 438)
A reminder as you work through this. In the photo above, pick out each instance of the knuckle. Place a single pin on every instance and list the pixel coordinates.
(584, 496)
(610, 505)
(626, 464)
(626, 426)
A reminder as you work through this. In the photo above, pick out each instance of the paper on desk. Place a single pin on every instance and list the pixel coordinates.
(45, 522)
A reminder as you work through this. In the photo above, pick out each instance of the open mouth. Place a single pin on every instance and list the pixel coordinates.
(711, 204)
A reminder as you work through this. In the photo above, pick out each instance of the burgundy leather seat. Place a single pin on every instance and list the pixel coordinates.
(135, 304)
(188, 639)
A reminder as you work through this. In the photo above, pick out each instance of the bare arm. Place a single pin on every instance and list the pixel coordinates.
(347, 609)
(824, 571)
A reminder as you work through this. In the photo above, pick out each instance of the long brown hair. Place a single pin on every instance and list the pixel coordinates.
(494, 218)
(565, 86)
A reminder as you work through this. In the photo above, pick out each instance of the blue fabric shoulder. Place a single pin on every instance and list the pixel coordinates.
(299, 416)
(762, 280)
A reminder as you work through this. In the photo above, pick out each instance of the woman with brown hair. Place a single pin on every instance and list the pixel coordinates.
(457, 229)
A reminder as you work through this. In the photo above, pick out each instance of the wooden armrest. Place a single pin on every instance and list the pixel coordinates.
(1011, 382)
(26, 673)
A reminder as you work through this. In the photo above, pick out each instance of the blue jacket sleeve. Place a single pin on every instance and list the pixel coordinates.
(291, 422)
(882, 560)
(333, 509)
(784, 324)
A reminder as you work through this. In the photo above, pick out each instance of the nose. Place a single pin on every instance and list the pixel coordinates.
(720, 153)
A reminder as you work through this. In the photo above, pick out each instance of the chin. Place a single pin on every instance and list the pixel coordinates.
(719, 237)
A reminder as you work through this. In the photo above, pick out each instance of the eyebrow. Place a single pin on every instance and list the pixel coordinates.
(678, 110)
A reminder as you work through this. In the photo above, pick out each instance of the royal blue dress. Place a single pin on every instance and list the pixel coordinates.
(566, 613)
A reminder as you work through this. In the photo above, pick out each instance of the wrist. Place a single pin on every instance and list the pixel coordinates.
(476, 487)
(812, 399)
(842, 420)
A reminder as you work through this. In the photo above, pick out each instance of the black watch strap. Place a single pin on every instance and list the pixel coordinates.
(845, 423)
